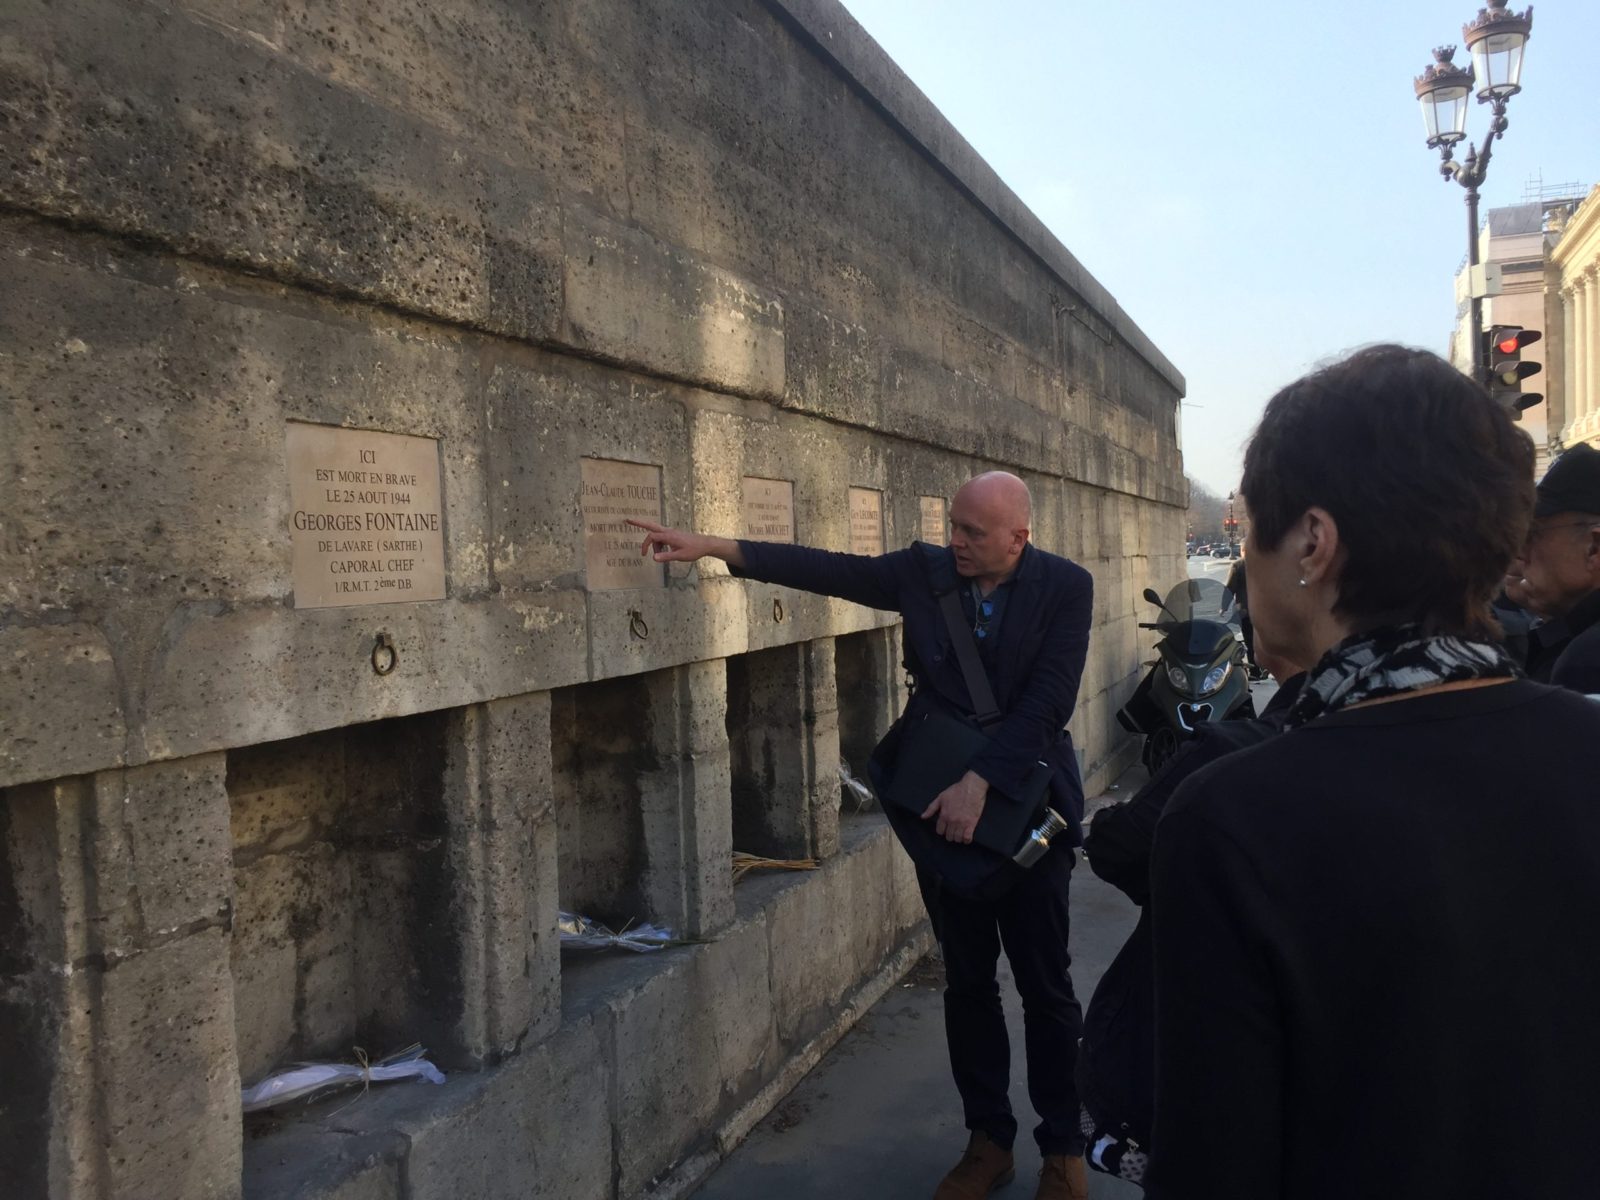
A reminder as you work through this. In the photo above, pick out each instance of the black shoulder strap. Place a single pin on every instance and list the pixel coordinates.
(966, 648)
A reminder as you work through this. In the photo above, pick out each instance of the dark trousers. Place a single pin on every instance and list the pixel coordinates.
(1030, 922)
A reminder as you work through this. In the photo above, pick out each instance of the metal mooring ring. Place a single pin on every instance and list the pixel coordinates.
(636, 625)
(777, 610)
(385, 658)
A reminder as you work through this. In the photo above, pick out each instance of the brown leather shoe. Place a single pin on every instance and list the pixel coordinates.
(1063, 1178)
(982, 1169)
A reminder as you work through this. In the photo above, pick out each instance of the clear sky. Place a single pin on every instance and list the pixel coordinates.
(1251, 181)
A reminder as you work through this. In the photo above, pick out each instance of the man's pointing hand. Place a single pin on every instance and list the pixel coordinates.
(676, 545)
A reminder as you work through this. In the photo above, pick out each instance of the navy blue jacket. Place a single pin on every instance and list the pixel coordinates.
(1044, 638)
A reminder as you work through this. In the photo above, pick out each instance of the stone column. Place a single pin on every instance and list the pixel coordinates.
(1591, 348)
(1569, 362)
(783, 718)
(501, 881)
(116, 999)
(1581, 353)
(687, 814)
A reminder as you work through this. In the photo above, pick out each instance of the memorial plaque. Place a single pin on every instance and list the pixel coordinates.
(366, 522)
(768, 509)
(934, 526)
(612, 492)
(866, 521)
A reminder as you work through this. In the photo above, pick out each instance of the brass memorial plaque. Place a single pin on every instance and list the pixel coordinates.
(934, 525)
(612, 492)
(366, 522)
(768, 509)
(866, 521)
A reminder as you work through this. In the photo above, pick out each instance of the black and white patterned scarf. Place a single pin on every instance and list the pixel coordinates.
(1387, 662)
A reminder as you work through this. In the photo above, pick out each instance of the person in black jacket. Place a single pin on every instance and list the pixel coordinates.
(1371, 978)
(1029, 611)
(1116, 1058)
(1560, 573)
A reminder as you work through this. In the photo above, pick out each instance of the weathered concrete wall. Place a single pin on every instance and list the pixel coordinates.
(726, 237)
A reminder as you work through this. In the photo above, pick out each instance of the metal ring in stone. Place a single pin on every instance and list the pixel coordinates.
(385, 658)
(777, 609)
(636, 625)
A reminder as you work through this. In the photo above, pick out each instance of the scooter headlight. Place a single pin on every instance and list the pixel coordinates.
(1215, 678)
(1178, 678)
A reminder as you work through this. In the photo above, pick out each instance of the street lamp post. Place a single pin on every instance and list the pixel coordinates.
(1496, 40)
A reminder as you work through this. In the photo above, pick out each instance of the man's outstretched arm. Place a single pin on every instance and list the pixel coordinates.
(870, 579)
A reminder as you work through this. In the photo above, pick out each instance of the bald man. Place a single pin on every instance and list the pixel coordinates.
(1029, 612)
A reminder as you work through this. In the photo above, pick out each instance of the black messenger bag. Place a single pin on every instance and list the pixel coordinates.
(932, 749)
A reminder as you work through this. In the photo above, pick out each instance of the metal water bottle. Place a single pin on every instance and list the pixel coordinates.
(1038, 839)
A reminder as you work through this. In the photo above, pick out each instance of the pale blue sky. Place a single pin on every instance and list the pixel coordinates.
(1251, 181)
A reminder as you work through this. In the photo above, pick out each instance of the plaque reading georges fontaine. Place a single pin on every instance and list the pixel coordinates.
(612, 492)
(933, 520)
(866, 521)
(366, 522)
(768, 509)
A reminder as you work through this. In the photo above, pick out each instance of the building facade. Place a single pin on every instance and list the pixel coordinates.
(1573, 313)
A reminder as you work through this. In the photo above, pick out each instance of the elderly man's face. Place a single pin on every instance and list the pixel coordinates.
(1560, 562)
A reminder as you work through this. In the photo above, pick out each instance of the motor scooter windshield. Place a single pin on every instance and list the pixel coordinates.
(1194, 617)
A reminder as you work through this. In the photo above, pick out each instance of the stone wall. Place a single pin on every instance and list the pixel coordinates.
(723, 237)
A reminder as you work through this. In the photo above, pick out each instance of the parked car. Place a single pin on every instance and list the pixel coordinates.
(1220, 552)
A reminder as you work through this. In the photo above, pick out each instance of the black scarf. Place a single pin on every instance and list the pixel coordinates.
(1387, 662)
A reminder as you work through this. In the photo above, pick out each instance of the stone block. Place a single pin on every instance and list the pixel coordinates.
(687, 819)
(537, 1128)
(313, 670)
(497, 792)
(167, 1082)
(810, 940)
(60, 702)
(299, 1163)
(176, 818)
(547, 413)
(668, 1073)
(642, 302)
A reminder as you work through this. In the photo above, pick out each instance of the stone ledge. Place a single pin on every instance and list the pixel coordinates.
(556, 1121)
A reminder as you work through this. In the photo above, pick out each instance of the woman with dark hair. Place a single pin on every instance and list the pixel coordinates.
(1372, 969)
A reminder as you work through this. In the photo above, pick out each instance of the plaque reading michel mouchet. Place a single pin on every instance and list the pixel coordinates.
(366, 522)
(768, 509)
(612, 492)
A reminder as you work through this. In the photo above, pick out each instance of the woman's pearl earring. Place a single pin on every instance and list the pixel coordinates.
(1302, 583)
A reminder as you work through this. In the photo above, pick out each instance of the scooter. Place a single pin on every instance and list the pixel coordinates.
(1198, 674)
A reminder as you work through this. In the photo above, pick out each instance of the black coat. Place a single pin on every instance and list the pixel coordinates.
(1043, 640)
(1566, 651)
(1117, 1058)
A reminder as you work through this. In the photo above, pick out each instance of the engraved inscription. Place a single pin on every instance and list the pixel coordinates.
(933, 524)
(866, 521)
(768, 509)
(611, 493)
(366, 522)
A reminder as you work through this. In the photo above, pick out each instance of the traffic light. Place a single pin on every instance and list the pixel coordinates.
(1503, 367)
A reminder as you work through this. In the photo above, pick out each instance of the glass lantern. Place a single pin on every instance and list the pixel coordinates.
(1496, 40)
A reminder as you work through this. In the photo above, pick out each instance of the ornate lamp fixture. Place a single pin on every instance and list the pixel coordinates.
(1496, 39)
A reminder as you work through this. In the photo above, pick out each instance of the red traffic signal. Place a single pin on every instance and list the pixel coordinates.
(1503, 368)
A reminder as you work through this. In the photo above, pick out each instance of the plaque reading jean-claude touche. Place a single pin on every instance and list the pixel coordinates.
(366, 522)
(933, 520)
(866, 521)
(768, 509)
(612, 492)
